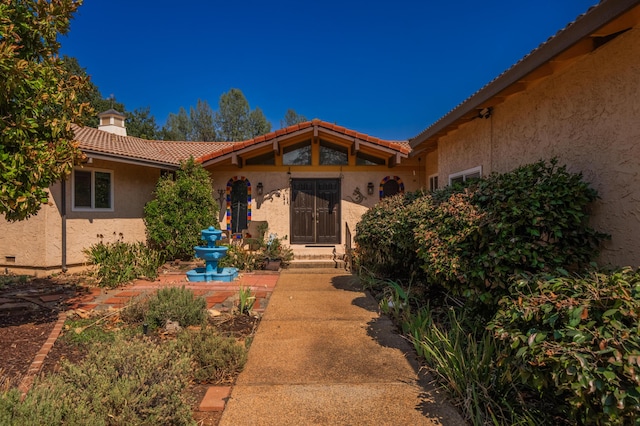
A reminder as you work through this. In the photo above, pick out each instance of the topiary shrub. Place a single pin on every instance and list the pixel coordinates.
(182, 208)
(577, 339)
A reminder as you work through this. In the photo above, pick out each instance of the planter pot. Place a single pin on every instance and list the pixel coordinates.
(273, 265)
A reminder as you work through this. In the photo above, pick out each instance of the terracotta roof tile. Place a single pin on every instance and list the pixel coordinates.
(172, 152)
(164, 152)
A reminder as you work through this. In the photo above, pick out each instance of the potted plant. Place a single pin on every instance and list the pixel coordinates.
(276, 254)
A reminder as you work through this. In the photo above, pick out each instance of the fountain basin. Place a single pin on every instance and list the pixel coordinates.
(210, 253)
(219, 274)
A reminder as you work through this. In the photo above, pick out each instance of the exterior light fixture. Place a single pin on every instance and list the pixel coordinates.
(370, 188)
(259, 188)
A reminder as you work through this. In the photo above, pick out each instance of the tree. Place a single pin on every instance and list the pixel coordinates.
(141, 124)
(182, 208)
(178, 127)
(39, 100)
(291, 117)
(258, 124)
(235, 121)
(201, 117)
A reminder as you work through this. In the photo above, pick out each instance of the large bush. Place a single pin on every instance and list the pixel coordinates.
(182, 208)
(533, 219)
(384, 237)
(578, 340)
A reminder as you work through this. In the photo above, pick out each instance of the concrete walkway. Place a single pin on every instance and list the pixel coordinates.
(323, 356)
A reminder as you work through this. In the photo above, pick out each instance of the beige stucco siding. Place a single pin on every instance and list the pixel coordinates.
(37, 242)
(274, 205)
(588, 116)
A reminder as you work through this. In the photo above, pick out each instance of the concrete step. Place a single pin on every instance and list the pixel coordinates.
(316, 264)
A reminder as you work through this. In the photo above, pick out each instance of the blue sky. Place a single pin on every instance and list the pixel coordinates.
(385, 68)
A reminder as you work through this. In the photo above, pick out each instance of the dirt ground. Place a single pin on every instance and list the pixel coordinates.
(26, 320)
(29, 310)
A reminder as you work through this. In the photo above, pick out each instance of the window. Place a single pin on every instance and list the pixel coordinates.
(268, 159)
(333, 155)
(368, 160)
(297, 155)
(391, 185)
(433, 182)
(475, 173)
(92, 190)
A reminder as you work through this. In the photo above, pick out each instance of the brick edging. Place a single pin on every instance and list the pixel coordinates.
(36, 365)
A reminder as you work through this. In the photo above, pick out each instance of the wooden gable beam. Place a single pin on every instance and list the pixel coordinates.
(236, 160)
(394, 160)
(355, 147)
(276, 146)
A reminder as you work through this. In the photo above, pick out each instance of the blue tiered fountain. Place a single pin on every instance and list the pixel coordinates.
(211, 254)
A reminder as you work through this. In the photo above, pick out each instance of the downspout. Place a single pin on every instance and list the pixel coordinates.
(63, 216)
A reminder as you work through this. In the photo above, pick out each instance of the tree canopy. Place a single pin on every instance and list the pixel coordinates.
(39, 100)
(291, 117)
(234, 121)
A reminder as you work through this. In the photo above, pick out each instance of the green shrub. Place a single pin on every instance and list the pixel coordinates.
(175, 304)
(181, 210)
(244, 260)
(8, 280)
(275, 250)
(533, 219)
(578, 339)
(129, 382)
(86, 331)
(135, 311)
(471, 370)
(246, 300)
(217, 359)
(385, 238)
(120, 262)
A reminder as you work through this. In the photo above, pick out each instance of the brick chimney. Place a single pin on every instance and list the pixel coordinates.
(112, 121)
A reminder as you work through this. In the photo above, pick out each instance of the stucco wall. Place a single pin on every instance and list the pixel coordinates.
(588, 116)
(37, 242)
(274, 205)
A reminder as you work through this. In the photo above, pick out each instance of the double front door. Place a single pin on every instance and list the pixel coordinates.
(315, 211)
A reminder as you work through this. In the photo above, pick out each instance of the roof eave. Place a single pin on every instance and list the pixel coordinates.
(130, 160)
(583, 27)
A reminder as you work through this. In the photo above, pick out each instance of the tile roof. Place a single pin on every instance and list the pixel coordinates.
(400, 146)
(172, 152)
(160, 152)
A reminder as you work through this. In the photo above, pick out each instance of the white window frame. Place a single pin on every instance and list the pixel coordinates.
(433, 179)
(93, 191)
(465, 174)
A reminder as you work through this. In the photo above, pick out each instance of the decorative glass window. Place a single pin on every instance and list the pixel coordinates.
(391, 185)
(92, 190)
(368, 160)
(460, 177)
(268, 159)
(238, 213)
(333, 155)
(297, 155)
